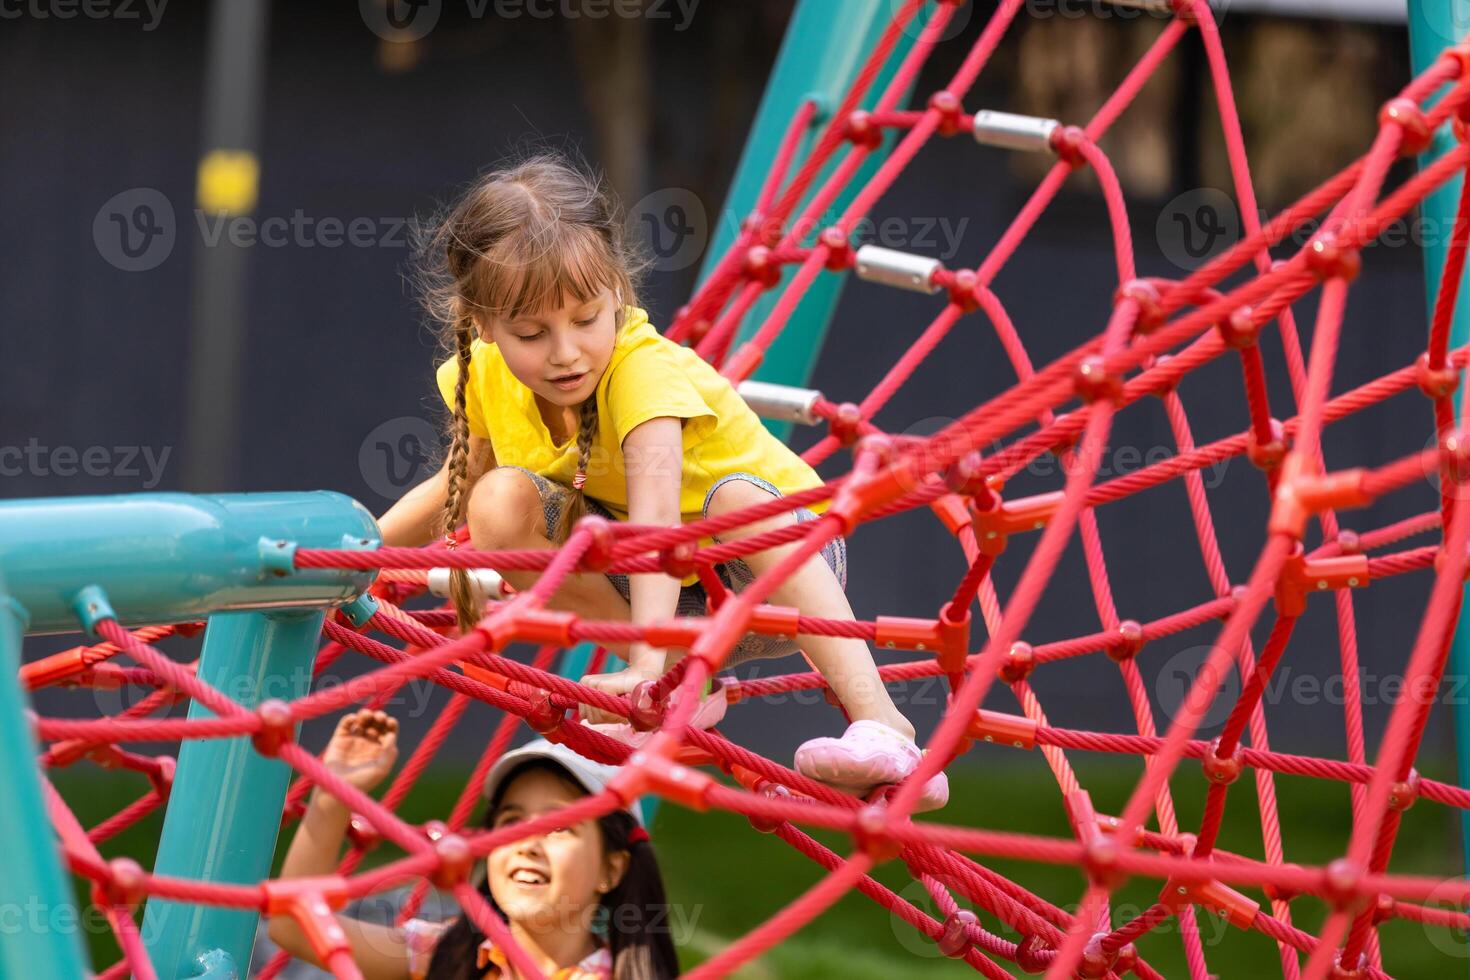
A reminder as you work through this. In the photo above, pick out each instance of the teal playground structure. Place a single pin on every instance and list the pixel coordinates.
(268, 575)
(171, 558)
(1433, 26)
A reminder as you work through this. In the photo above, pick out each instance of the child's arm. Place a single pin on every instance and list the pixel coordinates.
(414, 521)
(362, 751)
(653, 456)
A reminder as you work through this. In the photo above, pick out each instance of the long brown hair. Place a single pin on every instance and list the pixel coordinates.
(633, 915)
(520, 240)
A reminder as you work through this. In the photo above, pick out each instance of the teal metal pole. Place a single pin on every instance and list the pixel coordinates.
(34, 895)
(162, 558)
(825, 46)
(174, 557)
(225, 808)
(1433, 26)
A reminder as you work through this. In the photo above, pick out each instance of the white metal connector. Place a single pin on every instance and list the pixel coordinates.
(901, 269)
(1011, 131)
(486, 582)
(781, 401)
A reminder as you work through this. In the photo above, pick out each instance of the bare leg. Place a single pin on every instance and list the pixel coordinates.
(845, 663)
(505, 514)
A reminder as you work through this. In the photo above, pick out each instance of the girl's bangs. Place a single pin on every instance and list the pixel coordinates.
(524, 279)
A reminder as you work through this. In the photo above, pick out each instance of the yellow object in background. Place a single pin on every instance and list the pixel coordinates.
(228, 181)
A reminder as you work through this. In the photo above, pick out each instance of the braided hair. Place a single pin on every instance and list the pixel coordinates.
(519, 240)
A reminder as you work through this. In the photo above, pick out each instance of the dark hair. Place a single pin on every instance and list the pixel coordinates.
(634, 912)
(520, 239)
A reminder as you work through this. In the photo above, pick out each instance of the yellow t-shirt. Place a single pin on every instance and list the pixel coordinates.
(649, 376)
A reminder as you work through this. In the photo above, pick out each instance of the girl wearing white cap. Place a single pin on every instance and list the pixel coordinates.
(586, 901)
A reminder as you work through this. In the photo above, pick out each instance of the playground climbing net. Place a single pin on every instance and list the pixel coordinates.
(1065, 407)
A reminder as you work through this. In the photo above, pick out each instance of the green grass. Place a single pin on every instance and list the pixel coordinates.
(725, 879)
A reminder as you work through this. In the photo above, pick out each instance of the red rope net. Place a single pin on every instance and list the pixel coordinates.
(1193, 321)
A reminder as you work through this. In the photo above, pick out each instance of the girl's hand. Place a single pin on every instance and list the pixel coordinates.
(363, 748)
(622, 683)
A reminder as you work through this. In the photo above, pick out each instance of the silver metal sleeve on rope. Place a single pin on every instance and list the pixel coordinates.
(486, 583)
(1014, 132)
(781, 401)
(894, 268)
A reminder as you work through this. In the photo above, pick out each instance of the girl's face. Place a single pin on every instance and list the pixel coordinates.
(555, 880)
(559, 354)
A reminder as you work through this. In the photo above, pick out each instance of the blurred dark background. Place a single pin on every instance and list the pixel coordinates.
(332, 365)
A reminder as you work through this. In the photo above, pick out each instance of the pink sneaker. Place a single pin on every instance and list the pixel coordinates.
(934, 794)
(711, 712)
(868, 754)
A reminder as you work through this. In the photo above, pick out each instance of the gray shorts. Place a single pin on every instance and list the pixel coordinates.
(735, 573)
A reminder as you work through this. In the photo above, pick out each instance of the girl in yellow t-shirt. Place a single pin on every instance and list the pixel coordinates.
(567, 401)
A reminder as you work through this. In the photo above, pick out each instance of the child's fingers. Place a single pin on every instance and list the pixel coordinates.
(596, 716)
(372, 724)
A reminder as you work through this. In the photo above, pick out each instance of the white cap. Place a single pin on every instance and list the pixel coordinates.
(591, 776)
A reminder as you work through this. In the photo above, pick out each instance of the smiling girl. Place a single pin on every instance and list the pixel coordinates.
(567, 401)
(585, 901)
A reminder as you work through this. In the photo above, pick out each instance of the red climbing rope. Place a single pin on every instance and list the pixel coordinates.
(1066, 407)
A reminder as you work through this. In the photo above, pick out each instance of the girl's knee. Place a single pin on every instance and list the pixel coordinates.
(734, 495)
(504, 509)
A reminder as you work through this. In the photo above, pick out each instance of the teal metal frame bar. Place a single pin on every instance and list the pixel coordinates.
(33, 881)
(169, 558)
(1433, 26)
(825, 46)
